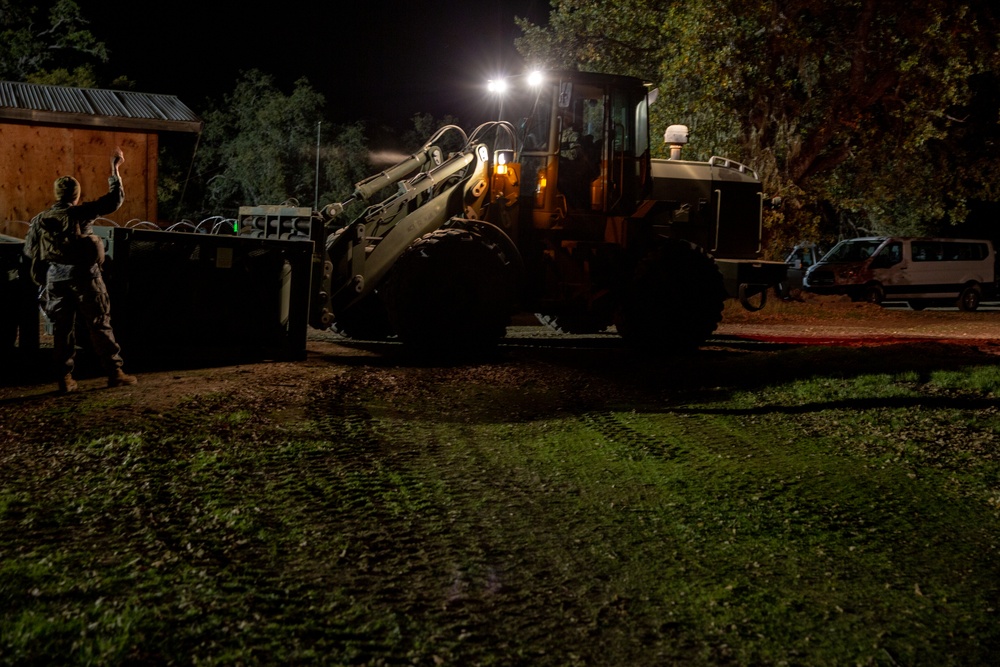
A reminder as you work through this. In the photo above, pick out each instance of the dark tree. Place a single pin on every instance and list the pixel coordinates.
(855, 112)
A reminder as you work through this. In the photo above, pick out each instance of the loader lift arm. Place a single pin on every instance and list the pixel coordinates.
(364, 252)
(431, 192)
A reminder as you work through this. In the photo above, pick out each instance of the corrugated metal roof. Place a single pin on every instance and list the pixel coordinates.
(93, 106)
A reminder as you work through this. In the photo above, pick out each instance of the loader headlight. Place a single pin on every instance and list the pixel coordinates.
(502, 159)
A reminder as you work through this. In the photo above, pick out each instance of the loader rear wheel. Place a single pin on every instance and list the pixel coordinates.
(675, 300)
(452, 291)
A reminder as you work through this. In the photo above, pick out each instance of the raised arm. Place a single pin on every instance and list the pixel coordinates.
(109, 203)
(116, 159)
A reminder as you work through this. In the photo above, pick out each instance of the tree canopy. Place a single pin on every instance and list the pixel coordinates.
(859, 113)
(258, 146)
(55, 47)
(264, 146)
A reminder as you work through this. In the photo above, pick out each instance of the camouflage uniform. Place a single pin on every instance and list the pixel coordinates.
(73, 283)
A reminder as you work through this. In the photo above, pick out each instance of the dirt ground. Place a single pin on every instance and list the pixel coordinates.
(530, 354)
(839, 321)
(810, 320)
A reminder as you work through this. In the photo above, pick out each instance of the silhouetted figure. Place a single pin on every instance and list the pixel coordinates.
(73, 282)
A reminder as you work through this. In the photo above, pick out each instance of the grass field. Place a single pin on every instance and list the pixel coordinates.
(800, 506)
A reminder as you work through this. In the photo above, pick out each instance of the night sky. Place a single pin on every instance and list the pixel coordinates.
(397, 59)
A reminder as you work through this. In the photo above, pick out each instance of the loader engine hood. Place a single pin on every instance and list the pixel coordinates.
(716, 204)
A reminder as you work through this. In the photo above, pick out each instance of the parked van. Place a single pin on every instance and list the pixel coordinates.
(921, 271)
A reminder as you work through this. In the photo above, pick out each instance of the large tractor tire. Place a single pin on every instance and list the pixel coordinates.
(674, 301)
(451, 292)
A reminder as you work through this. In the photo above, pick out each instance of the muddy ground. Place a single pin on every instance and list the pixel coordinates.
(808, 321)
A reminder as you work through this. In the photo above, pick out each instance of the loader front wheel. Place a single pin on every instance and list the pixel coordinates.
(365, 320)
(451, 292)
(675, 299)
(573, 323)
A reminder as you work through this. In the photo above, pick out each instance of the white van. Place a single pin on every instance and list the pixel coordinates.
(921, 271)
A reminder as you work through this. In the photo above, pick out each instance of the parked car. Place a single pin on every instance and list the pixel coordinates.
(801, 258)
(921, 271)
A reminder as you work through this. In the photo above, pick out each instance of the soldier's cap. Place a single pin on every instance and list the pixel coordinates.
(67, 189)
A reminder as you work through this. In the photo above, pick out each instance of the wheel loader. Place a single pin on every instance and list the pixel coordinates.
(556, 210)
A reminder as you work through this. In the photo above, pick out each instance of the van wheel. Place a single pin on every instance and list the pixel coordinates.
(874, 294)
(968, 300)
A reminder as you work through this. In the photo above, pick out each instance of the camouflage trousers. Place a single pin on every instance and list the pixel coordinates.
(62, 301)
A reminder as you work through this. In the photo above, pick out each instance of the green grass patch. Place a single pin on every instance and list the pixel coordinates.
(508, 515)
(981, 380)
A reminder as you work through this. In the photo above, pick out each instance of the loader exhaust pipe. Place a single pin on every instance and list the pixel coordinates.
(676, 136)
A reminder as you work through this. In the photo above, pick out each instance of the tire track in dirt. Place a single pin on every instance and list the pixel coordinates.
(629, 441)
(442, 536)
(257, 487)
(400, 554)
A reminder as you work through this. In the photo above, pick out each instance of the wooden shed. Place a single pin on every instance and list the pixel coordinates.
(52, 131)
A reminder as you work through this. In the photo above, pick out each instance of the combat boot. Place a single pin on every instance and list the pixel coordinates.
(67, 385)
(119, 378)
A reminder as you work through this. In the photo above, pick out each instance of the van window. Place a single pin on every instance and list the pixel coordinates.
(964, 251)
(949, 251)
(926, 251)
(853, 251)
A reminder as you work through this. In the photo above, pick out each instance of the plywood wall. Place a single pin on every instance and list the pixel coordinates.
(32, 157)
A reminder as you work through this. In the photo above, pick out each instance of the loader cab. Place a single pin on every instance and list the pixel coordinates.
(584, 145)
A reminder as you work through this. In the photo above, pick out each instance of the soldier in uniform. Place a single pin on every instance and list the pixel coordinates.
(73, 283)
